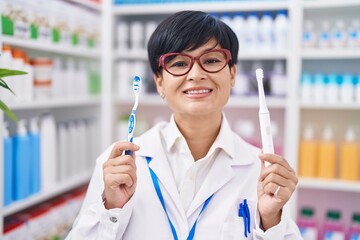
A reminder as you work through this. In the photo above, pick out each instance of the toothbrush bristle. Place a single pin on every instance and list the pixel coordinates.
(137, 83)
(259, 74)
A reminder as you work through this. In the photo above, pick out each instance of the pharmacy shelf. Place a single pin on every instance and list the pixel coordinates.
(88, 4)
(168, 8)
(329, 4)
(65, 186)
(56, 103)
(51, 47)
(243, 102)
(243, 55)
(330, 53)
(333, 185)
(330, 106)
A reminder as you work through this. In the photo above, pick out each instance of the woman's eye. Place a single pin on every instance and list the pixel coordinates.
(178, 64)
(210, 61)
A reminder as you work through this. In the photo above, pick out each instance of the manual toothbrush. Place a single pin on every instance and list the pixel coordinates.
(132, 119)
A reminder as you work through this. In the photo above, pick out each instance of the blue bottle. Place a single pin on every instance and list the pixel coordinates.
(8, 152)
(35, 156)
(21, 162)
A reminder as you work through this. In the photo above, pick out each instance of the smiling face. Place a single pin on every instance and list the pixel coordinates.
(197, 92)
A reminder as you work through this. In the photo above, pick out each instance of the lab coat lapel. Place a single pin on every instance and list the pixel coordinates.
(161, 168)
(220, 173)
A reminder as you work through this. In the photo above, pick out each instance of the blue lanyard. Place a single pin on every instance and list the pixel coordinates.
(161, 198)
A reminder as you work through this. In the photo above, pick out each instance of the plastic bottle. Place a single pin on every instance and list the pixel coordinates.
(35, 173)
(319, 88)
(28, 80)
(16, 82)
(327, 155)
(349, 157)
(252, 32)
(266, 32)
(306, 88)
(137, 36)
(225, 17)
(353, 34)
(57, 75)
(63, 152)
(309, 35)
(307, 224)
(48, 152)
(21, 164)
(242, 84)
(324, 35)
(8, 166)
(333, 228)
(338, 34)
(357, 89)
(6, 61)
(281, 23)
(278, 81)
(354, 229)
(347, 89)
(332, 88)
(238, 23)
(308, 153)
(150, 27)
(69, 78)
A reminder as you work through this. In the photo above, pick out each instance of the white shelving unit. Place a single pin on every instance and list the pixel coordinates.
(67, 108)
(111, 106)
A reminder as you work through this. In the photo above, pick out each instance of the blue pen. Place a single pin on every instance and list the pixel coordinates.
(244, 212)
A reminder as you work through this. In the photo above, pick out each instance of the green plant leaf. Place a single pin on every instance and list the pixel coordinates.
(8, 112)
(4, 85)
(9, 72)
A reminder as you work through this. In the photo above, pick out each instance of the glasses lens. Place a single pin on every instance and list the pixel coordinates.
(213, 61)
(177, 64)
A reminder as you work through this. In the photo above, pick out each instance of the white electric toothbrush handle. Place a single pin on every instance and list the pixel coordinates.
(266, 135)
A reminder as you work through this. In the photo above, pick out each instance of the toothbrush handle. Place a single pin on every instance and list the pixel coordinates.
(266, 135)
(131, 130)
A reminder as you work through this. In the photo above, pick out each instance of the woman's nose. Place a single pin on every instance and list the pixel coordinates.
(196, 72)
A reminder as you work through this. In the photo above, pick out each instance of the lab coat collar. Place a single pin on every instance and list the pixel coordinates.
(223, 141)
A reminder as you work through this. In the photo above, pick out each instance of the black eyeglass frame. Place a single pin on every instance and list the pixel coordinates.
(193, 60)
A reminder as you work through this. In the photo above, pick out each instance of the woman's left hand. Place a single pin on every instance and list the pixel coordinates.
(276, 184)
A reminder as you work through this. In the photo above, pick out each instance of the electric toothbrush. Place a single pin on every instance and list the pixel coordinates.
(264, 117)
(132, 118)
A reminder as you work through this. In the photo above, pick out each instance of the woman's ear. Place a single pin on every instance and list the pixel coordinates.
(158, 79)
(233, 75)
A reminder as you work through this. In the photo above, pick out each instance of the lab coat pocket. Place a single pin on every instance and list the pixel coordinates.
(235, 226)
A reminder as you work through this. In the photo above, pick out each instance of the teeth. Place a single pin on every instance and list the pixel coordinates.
(197, 91)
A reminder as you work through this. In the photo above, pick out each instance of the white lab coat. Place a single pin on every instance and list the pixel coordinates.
(142, 218)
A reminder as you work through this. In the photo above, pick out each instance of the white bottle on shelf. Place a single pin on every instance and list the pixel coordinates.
(306, 88)
(28, 80)
(266, 32)
(48, 153)
(347, 89)
(150, 27)
(357, 89)
(309, 34)
(319, 88)
(252, 32)
(69, 78)
(324, 34)
(353, 34)
(242, 84)
(332, 88)
(122, 30)
(63, 163)
(137, 36)
(338, 34)
(58, 79)
(238, 23)
(225, 17)
(278, 81)
(6, 61)
(281, 25)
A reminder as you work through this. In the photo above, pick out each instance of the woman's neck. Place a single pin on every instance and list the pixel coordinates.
(200, 132)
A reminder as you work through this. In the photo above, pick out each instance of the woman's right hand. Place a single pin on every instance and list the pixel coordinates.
(119, 175)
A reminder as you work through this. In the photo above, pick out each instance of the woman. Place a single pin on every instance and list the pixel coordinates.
(191, 178)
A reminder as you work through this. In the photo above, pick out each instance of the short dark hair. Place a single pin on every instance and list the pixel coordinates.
(188, 30)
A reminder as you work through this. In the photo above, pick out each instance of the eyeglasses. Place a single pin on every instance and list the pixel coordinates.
(179, 64)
